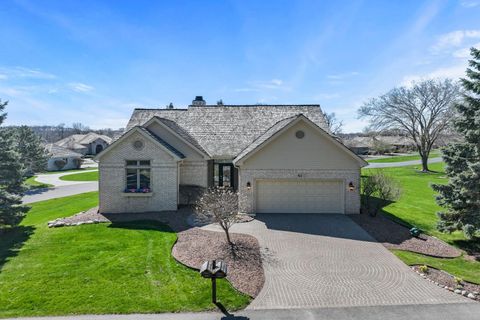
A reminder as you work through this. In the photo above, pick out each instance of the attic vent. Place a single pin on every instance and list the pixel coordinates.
(138, 144)
(299, 134)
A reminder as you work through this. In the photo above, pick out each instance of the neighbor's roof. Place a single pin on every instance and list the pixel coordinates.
(226, 130)
(56, 151)
(82, 139)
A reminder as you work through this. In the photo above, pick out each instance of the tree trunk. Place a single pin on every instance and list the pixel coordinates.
(424, 162)
(227, 233)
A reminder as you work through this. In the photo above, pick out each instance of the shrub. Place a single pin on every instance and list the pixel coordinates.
(423, 269)
(377, 191)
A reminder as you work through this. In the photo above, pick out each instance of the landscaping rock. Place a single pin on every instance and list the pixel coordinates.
(471, 296)
(458, 291)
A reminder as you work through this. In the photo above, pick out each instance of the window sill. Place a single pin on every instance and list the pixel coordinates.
(137, 194)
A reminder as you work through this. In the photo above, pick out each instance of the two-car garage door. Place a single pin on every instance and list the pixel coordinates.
(300, 196)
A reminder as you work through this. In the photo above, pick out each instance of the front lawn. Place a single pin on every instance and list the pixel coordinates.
(31, 183)
(99, 268)
(417, 207)
(467, 270)
(416, 156)
(84, 176)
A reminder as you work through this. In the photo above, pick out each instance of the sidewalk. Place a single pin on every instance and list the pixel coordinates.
(463, 311)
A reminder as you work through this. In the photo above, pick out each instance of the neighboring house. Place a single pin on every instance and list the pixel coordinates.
(281, 159)
(359, 145)
(90, 143)
(61, 158)
(397, 143)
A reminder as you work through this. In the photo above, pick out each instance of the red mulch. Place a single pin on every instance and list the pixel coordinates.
(195, 246)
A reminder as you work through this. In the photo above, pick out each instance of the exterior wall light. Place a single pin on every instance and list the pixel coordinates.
(351, 187)
(249, 185)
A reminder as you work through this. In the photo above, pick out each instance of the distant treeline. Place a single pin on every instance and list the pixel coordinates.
(50, 134)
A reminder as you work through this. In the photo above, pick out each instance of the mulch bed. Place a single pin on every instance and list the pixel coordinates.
(195, 246)
(395, 236)
(447, 281)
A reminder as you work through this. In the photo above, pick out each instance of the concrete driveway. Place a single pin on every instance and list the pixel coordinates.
(317, 261)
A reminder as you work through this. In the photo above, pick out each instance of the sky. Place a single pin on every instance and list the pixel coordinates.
(95, 61)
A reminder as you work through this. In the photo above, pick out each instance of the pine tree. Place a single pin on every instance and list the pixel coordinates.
(461, 196)
(11, 177)
(33, 155)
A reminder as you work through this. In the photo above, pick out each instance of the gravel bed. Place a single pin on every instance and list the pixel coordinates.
(447, 281)
(395, 236)
(195, 246)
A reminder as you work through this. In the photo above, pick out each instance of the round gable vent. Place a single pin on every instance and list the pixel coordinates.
(138, 144)
(300, 134)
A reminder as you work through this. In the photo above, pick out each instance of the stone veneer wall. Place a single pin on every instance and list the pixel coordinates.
(112, 178)
(247, 197)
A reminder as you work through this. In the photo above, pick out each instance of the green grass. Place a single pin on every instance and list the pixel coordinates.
(96, 269)
(69, 171)
(467, 270)
(31, 183)
(84, 176)
(417, 207)
(433, 154)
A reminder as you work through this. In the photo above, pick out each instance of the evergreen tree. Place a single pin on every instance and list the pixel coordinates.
(11, 177)
(33, 155)
(461, 196)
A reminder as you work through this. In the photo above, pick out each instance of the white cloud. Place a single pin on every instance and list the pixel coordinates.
(80, 87)
(454, 39)
(21, 72)
(465, 52)
(259, 86)
(452, 72)
(470, 3)
(340, 76)
(326, 96)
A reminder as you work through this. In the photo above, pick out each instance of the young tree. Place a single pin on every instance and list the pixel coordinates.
(219, 205)
(33, 155)
(11, 177)
(422, 111)
(461, 196)
(333, 123)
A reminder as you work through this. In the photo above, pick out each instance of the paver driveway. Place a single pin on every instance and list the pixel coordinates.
(313, 261)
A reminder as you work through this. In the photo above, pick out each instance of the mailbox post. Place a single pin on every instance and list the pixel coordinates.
(213, 270)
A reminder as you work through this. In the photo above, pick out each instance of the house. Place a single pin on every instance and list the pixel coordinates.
(90, 143)
(61, 158)
(359, 145)
(280, 158)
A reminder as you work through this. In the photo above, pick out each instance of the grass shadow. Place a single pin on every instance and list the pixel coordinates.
(12, 240)
(472, 246)
(141, 225)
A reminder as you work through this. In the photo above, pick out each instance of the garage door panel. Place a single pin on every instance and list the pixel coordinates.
(301, 196)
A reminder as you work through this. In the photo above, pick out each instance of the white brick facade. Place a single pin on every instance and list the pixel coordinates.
(194, 173)
(248, 198)
(163, 178)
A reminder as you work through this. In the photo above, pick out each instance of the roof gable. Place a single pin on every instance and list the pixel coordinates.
(149, 135)
(282, 126)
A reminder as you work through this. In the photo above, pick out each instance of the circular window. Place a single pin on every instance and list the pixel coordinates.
(138, 144)
(299, 134)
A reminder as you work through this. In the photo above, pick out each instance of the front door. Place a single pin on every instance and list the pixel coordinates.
(225, 175)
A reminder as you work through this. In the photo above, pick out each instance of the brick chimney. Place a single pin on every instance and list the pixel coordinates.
(198, 102)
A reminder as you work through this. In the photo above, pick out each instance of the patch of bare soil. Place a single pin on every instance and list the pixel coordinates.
(195, 246)
(447, 281)
(395, 236)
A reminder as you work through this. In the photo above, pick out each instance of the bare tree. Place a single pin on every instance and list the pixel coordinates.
(423, 111)
(219, 205)
(79, 128)
(333, 123)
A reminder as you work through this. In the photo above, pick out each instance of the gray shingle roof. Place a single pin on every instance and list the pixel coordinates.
(224, 131)
(162, 142)
(56, 151)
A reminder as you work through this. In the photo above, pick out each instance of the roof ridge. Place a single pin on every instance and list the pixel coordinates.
(234, 106)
